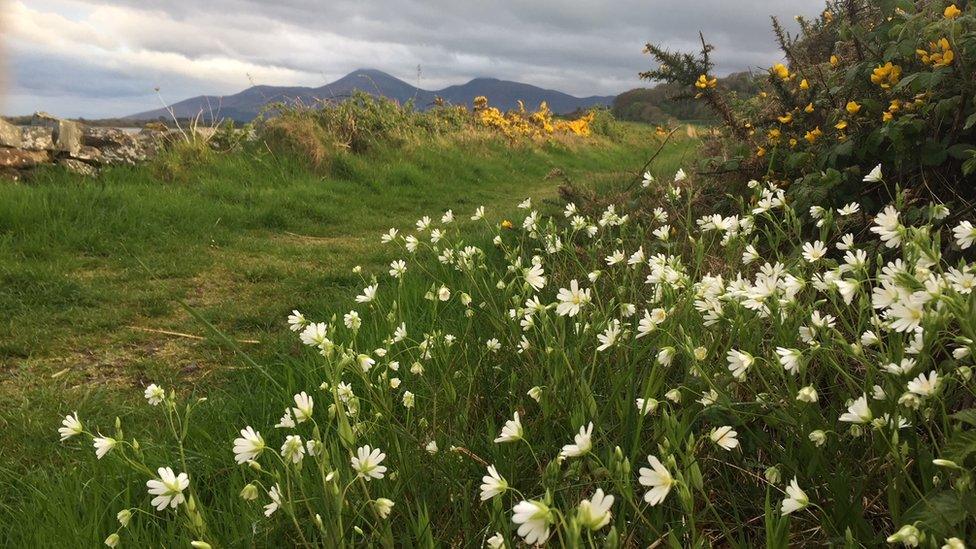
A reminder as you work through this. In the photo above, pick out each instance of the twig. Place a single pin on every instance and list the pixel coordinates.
(188, 336)
(654, 156)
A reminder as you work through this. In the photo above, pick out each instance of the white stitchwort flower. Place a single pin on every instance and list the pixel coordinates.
(367, 461)
(103, 445)
(533, 518)
(249, 446)
(796, 498)
(739, 363)
(296, 321)
(594, 513)
(965, 234)
(155, 394)
(924, 386)
(582, 443)
(511, 431)
(658, 479)
(275, 495)
(168, 488)
(492, 484)
(789, 359)
(71, 426)
(725, 437)
(874, 175)
(303, 407)
(858, 412)
(293, 449)
(383, 507)
(572, 300)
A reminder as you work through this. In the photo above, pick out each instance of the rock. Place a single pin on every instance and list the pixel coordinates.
(10, 135)
(67, 134)
(21, 158)
(88, 154)
(78, 167)
(37, 138)
(119, 147)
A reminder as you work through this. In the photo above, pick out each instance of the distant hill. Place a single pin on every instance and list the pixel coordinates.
(246, 105)
(657, 106)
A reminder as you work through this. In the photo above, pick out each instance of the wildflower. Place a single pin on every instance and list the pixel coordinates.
(646, 182)
(858, 412)
(249, 492)
(647, 405)
(512, 430)
(315, 334)
(954, 543)
(789, 359)
(582, 443)
(367, 461)
(965, 234)
(369, 294)
(535, 393)
(908, 535)
(609, 336)
(387, 237)
(818, 437)
(496, 541)
(739, 363)
(71, 426)
(431, 447)
(924, 386)
(680, 175)
(804, 85)
(853, 107)
(479, 213)
(665, 356)
(725, 437)
(814, 252)
(493, 345)
(444, 293)
(103, 445)
(423, 223)
(383, 507)
(650, 321)
(674, 395)
(658, 478)
(886, 75)
(951, 12)
(303, 407)
(812, 135)
(292, 449)
(781, 71)
(572, 300)
(112, 540)
(807, 394)
(168, 488)
(907, 314)
(834, 61)
(875, 175)
(594, 513)
(249, 446)
(492, 484)
(275, 495)
(535, 277)
(408, 399)
(525, 204)
(124, 516)
(533, 518)
(365, 361)
(286, 421)
(888, 227)
(704, 82)
(796, 498)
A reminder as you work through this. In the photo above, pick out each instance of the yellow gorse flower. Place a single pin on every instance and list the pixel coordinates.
(804, 85)
(853, 107)
(786, 118)
(705, 83)
(760, 152)
(842, 125)
(808, 109)
(939, 54)
(781, 71)
(952, 12)
(834, 61)
(886, 75)
(812, 135)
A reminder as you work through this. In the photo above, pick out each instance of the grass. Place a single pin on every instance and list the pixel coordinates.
(242, 238)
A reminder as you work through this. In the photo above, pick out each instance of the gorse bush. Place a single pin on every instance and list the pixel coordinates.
(867, 81)
(602, 380)
(522, 123)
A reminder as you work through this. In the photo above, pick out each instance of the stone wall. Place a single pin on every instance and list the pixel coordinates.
(50, 140)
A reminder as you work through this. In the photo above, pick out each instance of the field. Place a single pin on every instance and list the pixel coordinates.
(95, 272)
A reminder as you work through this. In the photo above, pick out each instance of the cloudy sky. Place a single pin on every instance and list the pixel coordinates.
(99, 58)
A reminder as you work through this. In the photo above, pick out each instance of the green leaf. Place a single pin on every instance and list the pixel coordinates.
(960, 446)
(939, 512)
(966, 416)
(961, 151)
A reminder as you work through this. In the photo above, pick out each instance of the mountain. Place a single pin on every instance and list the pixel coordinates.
(246, 105)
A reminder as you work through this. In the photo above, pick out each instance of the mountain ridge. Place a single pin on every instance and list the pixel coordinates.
(247, 104)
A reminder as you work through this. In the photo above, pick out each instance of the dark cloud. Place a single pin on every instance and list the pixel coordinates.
(583, 47)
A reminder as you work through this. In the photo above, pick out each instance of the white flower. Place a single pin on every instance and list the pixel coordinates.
(275, 495)
(651, 321)
(807, 394)
(478, 213)
(303, 407)
(411, 243)
(739, 363)
(609, 336)
(293, 449)
(680, 176)
(535, 277)
(369, 294)
(389, 236)
(155, 394)
(383, 507)
(168, 488)
(124, 516)
(352, 320)
(286, 421)
(496, 541)
(249, 446)
(525, 204)
(492, 484)
(874, 175)
(408, 399)
(572, 300)
(789, 359)
(965, 234)
(818, 437)
(648, 179)
(858, 411)
(849, 209)
(665, 356)
(535, 393)
(887, 227)
(594, 513)
(431, 447)
(725, 437)
(582, 443)
(448, 217)
(71, 426)
(924, 386)
(533, 518)
(814, 252)
(444, 293)
(907, 314)
(658, 478)
(112, 540)
(315, 334)
(796, 498)
(647, 405)
(512, 430)
(296, 321)
(103, 445)
(423, 223)
(367, 461)
(954, 543)
(908, 535)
